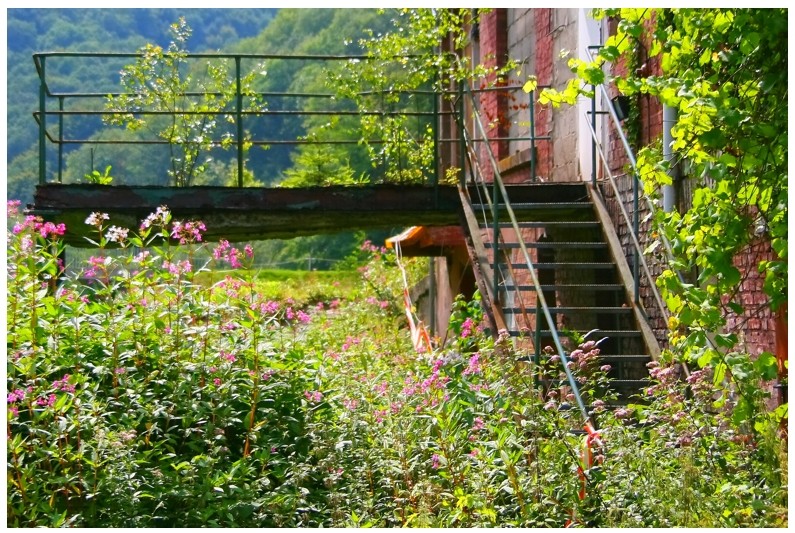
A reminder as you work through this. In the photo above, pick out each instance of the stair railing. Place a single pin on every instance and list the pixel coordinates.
(492, 200)
(637, 184)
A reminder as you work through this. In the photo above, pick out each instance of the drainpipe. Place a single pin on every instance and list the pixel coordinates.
(669, 191)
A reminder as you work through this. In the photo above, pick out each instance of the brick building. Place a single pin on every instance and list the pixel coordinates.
(542, 40)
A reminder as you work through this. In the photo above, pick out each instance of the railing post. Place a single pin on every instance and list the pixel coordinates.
(532, 108)
(593, 141)
(436, 154)
(635, 229)
(60, 140)
(239, 122)
(461, 139)
(537, 341)
(42, 123)
(495, 247)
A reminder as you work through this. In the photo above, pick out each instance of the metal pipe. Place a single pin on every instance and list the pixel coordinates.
(239, 122)
(669, 191)
(42, 123)
(60, 141)
(532, 108)
(593, 141)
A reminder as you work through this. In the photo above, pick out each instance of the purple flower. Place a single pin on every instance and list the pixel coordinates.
(435, 461)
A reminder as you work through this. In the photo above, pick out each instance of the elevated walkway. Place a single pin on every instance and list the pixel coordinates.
(251, 213)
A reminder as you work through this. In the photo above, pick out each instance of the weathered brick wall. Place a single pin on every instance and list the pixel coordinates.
(493, 104)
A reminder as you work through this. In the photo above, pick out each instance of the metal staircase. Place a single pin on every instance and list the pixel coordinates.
(550, 270)
(578, 275)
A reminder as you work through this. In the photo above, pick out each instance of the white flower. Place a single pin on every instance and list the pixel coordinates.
(95, 219)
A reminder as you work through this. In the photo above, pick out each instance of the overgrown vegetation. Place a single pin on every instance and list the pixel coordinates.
(140, 397)
(724, 70)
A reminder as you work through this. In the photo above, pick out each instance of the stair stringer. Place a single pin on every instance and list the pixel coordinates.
(480, 265)
(625, 273)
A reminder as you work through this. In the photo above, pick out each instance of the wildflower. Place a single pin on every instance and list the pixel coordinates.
(549, 406)
(13, 410)
(15, 395)
(466, 327)
(12, 208)
(474, 365)
(188, 232)
(605, 368)
(303, 317)
(160, 217)
(313, 396)
(126, 436)
(120, 370)
(249, 251)
(435, 461)
(478, 424)
(47, 229)
(95, 219)
(474, 452)
(217, 382)
(598, 406)
(116, 234)
(228, 357)
(269, 307)
(622, 413)
(350, 404)
(289, 313)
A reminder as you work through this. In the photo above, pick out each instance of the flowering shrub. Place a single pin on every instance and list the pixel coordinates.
(139, 396)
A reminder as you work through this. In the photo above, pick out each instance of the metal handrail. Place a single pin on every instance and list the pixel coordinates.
(52, 131)
(633, 235)
(499, 186)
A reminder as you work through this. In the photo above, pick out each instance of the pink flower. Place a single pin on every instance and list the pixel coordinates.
(435, 461)
(188, 232)
(474, 365)
(249, 251)
(217, 382)
(303, 317)
(12, 208)
(478, 424)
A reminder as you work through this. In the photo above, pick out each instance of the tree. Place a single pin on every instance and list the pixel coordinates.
(156, 83)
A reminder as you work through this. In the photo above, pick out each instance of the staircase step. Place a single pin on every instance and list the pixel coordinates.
(614, 383)
(606, 357)
(570, 287)
(564, 265)
(550, 224)
(549, 244)
(525, 206)
(570, 310)
(628, 333)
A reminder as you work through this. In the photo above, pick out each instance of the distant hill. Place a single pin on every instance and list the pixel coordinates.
(96, 30)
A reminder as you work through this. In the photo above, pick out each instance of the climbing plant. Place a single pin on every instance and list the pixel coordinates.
(725, 71)
(162, 93)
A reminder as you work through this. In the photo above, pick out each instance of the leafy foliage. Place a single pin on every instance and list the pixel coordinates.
(724, 70)
(159, 386)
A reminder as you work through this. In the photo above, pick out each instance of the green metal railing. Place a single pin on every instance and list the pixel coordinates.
(60, 108)
(494, 194)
